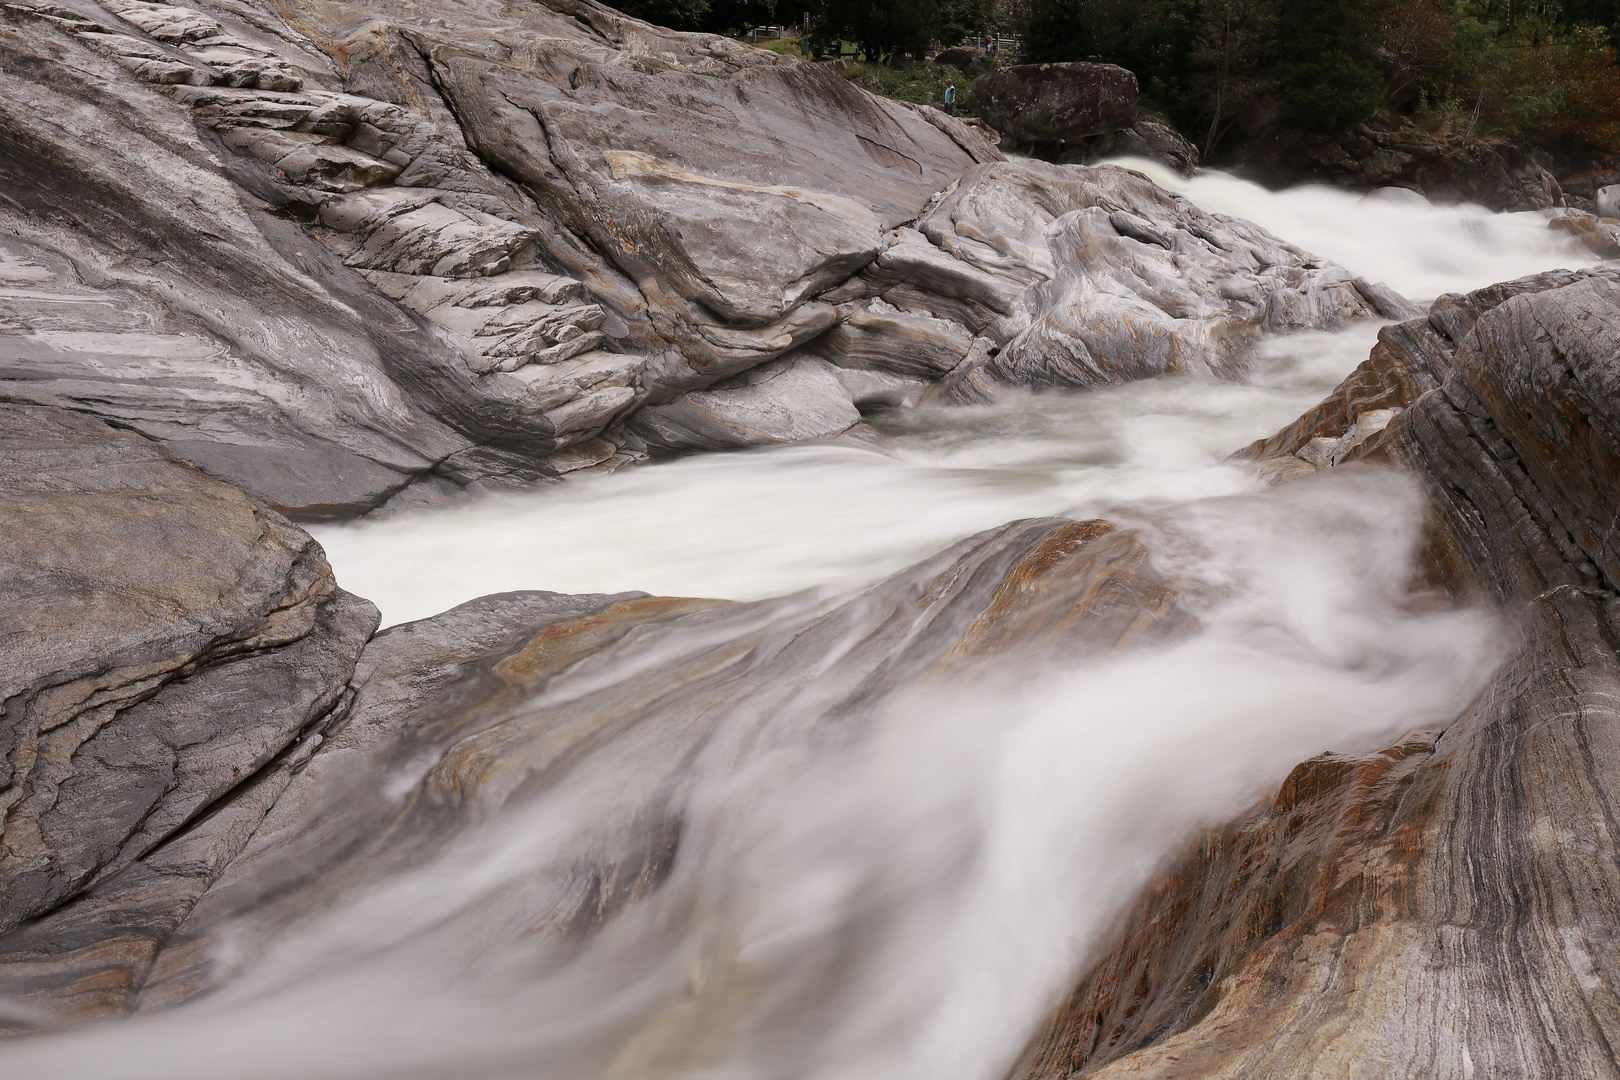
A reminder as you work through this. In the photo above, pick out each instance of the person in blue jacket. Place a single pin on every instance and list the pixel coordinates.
(950, 98)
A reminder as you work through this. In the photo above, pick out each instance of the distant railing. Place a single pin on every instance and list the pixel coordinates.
(1004, 43)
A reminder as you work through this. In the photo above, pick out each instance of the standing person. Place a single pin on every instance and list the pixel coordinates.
(950, 98)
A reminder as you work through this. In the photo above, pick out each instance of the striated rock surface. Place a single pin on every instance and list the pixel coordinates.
(1443, 908)
(346, 258)
(165, 637)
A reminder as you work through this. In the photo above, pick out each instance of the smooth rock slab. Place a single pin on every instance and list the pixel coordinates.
(165, 637)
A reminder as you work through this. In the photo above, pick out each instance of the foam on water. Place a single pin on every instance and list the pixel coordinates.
(911, 903)
(1419, 250)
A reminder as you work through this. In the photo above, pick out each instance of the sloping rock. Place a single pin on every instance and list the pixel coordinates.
(1444, 907)
(1145, 138)
(1125, 280)
(518, 699)
(345, 258)
(1054, 103)
(166, 638)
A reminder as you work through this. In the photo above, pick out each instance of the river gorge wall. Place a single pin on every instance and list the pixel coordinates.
(299, 263)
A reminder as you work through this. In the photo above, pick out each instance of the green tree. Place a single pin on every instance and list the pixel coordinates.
(1232, 64)
(1326, 76)
(883, 31)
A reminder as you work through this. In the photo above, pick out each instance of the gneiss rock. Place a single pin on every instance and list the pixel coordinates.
(1145, 138)
(350, 259)
(166, 637)
(524, 700)
(1054, 103)
(1126, 280)
(1444, 907)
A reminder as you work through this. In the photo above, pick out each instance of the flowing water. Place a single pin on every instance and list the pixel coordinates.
(908, 903)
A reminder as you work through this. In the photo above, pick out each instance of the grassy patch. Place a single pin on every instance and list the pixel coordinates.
(785, 46)
(921, 82)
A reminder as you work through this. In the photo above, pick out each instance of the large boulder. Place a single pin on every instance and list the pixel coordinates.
(966, 59)
(1145, 138)
(166, 638)
(1490, 172)
(1325, 927)
(1054, 103)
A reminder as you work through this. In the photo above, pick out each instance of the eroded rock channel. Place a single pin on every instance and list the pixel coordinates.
(1022, 809)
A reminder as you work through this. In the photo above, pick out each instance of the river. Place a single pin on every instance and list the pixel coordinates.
(909, 904)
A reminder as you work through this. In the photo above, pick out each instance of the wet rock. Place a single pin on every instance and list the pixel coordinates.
(503, 702)
(1125, 280)
(167, 638)
(1145, 138)
(1489, 172)
(1326, 924)
(1054, 103)
(788, 400)
(1600, 237)
(1606, 201)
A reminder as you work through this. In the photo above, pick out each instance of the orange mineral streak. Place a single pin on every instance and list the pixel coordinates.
(1089, 583)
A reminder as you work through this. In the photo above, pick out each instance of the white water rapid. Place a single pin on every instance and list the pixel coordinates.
(751, 525)
(907, 904)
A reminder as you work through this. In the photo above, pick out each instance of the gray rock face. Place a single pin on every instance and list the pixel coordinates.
(1328, 924)
(1054, 103)
(1125, 280)
(783, 401)
(1145, 138)
(166, 637)
(348, 260)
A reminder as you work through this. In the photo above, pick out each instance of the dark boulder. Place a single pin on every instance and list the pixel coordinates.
(1489, 172)
(970, 62)
(1146, 138)
(1046, 103)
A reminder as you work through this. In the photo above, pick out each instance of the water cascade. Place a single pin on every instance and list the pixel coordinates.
(905, 893)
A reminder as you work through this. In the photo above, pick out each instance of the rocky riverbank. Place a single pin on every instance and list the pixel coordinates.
(347, 261)
(315, 261)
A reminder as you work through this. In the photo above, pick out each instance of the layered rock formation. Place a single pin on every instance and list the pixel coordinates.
(166, 638)
(1490, 173)
(340, 257)
(1445, 907)
(1054, 103)
(1441, 907)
